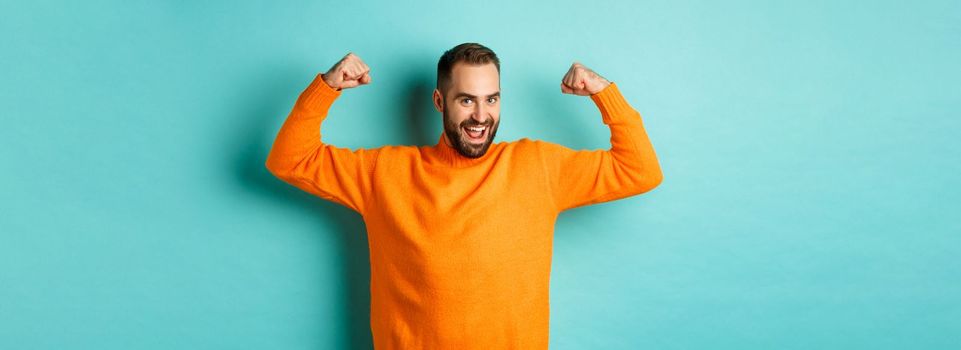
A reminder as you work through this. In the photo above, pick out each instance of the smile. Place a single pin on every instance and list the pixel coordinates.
(476, 133)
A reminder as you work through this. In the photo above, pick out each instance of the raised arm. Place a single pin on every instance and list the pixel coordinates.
(300, 158)
(629, 167)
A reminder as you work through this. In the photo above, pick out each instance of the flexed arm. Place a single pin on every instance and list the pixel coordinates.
(629, 167)
(300, 158)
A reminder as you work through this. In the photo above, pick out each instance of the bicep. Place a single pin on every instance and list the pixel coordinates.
(335, 173)
(582, 177)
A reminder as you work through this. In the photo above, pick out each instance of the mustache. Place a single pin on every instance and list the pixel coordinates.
(467, 124)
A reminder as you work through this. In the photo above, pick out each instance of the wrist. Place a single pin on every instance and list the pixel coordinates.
(323, 77)
(318, 95)
(602, 86)
(614, 108)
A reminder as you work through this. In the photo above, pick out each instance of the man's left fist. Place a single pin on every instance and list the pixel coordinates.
(582, 81)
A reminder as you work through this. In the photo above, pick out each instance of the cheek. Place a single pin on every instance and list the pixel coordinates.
(455, 118)
(461, 115)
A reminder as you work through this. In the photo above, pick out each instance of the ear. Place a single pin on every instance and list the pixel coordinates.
(438, 101)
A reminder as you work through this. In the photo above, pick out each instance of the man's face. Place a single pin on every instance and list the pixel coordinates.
(471, 108)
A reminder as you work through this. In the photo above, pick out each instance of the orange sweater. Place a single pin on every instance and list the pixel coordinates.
(460, 248)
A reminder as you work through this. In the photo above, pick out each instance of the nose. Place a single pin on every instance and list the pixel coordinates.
(480, 113)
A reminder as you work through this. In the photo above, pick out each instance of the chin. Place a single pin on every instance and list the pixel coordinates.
(471, 149)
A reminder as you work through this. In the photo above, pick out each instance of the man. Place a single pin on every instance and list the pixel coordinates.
(460, 233)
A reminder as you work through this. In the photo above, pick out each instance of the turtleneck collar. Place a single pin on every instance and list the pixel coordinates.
(444, 154)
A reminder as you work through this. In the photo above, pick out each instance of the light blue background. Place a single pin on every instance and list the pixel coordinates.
(810, 152)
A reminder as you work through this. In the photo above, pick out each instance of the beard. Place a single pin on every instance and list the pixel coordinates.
(458, 138)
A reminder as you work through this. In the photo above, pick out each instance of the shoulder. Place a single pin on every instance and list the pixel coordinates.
(530, 146)
(395, 151)
(389, 152)
(523, 144)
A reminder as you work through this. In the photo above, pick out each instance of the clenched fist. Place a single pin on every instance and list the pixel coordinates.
(582, 81)
(349, 72)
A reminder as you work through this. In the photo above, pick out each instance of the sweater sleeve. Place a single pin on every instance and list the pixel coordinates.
(629, 167)
(300, 158)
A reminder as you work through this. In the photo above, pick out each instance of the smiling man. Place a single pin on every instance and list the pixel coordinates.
(460, 233)
(473, 107)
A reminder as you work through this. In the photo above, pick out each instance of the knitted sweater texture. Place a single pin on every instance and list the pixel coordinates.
(460, 248)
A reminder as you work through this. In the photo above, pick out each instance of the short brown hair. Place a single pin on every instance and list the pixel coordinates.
(470, 53)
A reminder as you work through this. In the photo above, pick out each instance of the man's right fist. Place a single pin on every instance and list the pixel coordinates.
(349, 72)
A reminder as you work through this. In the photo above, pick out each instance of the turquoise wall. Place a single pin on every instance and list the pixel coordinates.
(810, 152)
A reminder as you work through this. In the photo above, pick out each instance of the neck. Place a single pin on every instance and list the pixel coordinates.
(448, 155)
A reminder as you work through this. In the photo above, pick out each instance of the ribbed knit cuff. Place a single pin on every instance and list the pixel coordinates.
(318, 95)
(613, 106)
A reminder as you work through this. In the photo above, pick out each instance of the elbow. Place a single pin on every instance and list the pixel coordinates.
(648, 181)
(640, 179)
(651, 176)
(270, 167)
(276, 166)
(655, 180)
(271, 163)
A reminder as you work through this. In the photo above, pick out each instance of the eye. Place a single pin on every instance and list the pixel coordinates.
(467, 101)
(492, 100)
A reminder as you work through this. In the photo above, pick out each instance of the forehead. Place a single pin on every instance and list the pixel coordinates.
(478, 80)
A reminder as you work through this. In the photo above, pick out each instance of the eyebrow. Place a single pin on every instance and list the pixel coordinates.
(464, 94)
